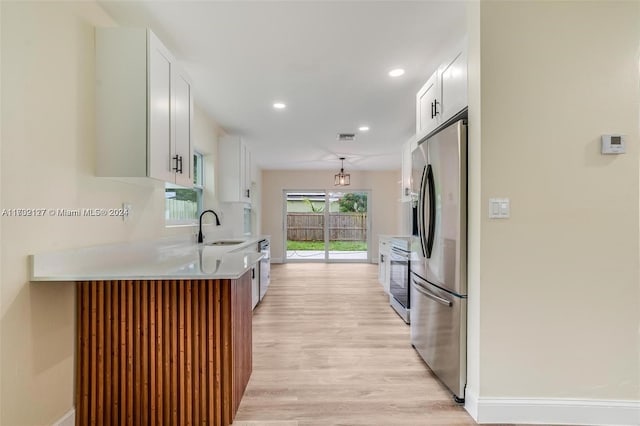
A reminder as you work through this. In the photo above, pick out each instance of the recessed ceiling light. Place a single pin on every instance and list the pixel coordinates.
(363, 128)
(279, 105)
(396, 72)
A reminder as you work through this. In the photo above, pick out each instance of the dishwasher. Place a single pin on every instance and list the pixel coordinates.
(265, 267)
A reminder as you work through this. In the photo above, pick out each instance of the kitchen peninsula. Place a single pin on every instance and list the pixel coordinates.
(163, 329)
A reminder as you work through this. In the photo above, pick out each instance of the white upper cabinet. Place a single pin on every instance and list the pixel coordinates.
(427, 101)
(444, 94)
(183, 117)
(234, 167)
(144, 108)
(453, 84)
(248, 175)
(159, 111)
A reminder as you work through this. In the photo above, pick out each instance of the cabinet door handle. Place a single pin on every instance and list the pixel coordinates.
(248, 192)
(178, 166)
(432, 113)
(176, 158)
(382, 258)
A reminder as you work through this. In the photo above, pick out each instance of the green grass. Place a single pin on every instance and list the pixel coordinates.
(333, 245)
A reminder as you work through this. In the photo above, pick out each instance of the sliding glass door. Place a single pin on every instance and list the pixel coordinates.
(304, 225)
(326, 226)
(347, 226)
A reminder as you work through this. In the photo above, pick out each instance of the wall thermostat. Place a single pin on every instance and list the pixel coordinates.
(613, 144)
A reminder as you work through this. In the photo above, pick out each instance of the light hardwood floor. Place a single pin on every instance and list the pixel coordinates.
(328, 350)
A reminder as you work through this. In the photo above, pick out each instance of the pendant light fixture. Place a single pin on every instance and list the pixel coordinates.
(342, 178)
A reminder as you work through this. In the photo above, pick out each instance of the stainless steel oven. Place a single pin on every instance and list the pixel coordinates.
(400, 297)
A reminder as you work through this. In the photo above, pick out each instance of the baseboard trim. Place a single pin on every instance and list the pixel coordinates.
(471, 402)
(69, 419)
(553, 411)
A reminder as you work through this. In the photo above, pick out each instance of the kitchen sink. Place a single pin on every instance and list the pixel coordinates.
(225, 243)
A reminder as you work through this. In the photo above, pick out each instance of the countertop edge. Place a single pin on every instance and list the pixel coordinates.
(190, 263)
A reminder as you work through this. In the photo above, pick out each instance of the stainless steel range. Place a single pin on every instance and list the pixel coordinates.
(400, 297)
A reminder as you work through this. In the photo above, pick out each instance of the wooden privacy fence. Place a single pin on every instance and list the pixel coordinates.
(342, 226)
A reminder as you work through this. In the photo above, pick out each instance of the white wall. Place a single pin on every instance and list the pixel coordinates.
(1, 206)
(385, 194)
(47, 161)
(474, 204)
(557, 284)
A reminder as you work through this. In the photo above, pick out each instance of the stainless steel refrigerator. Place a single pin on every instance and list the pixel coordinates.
(438, 262)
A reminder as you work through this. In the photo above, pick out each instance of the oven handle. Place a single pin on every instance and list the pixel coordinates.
(421, 289)
(400, 253)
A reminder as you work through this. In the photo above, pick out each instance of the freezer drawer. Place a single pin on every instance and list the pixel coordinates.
(439, 334)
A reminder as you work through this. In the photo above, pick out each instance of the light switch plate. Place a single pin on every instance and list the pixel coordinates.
(499, 208)
(613, 144)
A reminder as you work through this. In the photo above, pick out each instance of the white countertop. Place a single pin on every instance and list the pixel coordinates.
(168, 258)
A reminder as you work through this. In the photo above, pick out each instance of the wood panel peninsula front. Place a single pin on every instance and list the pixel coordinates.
(163, 330)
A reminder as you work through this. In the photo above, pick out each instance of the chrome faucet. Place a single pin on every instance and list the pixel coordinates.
(200, 236)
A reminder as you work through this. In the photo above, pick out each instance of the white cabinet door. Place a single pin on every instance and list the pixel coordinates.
(231, 160)
(159, 144)
(384, 271)
(427, 106)
(182, 153)
(248, 177)
(234, 170)
(453, 84)
(387, 275)
(381, 266)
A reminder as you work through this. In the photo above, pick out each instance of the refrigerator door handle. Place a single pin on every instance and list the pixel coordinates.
(432, 210)
(420, 289)
(421, 196)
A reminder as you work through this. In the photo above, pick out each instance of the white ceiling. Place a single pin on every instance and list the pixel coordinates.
(328, 61)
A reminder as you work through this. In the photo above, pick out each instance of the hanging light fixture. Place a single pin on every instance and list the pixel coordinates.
(342, 178)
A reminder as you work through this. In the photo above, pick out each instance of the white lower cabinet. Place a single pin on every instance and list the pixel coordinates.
(384, 271)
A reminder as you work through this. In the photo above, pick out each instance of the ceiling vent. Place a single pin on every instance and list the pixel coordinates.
(346, 137)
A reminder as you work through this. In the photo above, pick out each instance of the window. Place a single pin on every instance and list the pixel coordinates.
(183, 205)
